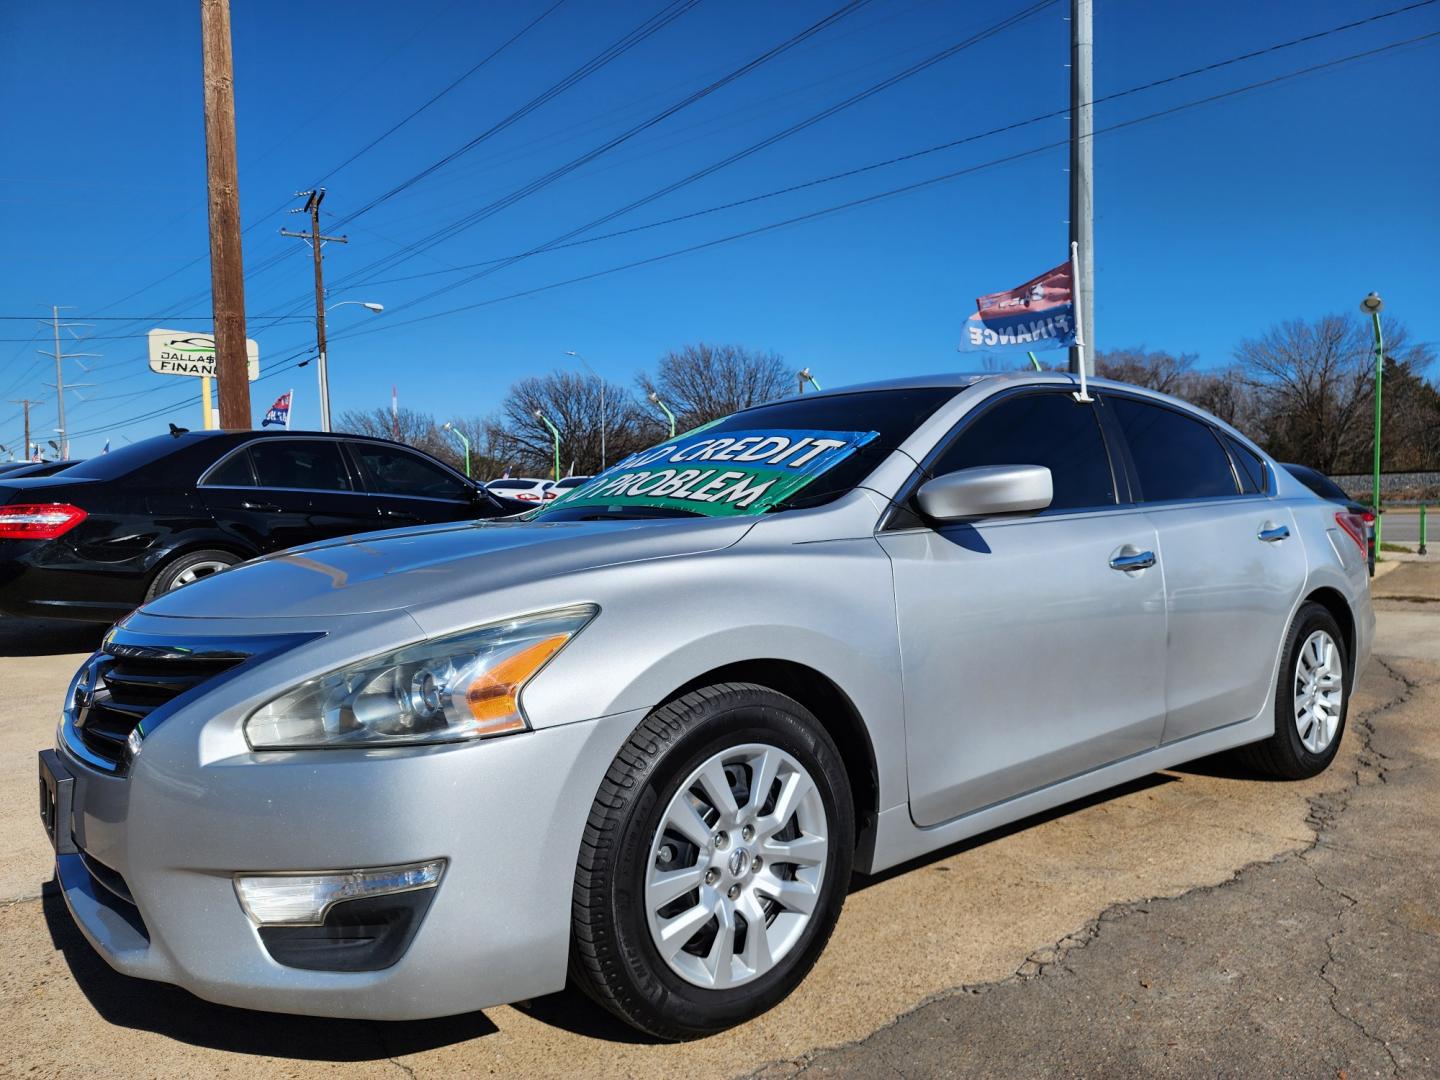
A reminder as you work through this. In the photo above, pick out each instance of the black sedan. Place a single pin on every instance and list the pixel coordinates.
(104, 535)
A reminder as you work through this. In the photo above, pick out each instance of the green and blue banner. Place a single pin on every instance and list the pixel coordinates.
(735, 472)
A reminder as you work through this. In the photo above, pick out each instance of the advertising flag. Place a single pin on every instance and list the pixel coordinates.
(279, 413)
(1038, 315)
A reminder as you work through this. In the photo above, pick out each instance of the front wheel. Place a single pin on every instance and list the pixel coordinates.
(1312, 697)
(715, 862)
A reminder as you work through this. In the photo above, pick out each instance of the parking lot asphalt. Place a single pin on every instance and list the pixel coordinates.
(1198, 922)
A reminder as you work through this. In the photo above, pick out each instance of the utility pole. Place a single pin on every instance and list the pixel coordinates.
(59, 355)
(1082, 190)
(25, 404)
(313, 199)
(227, 266)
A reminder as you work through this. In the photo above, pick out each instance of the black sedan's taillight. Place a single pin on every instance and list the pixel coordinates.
(38, 521)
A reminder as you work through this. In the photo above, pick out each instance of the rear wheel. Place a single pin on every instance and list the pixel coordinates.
(1312, 697)
(715, 862)
(189, 568)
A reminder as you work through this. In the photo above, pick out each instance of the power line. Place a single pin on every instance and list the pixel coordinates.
(901, 190)
(609, 144)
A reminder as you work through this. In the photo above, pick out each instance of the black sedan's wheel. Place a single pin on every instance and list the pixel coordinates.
(715, 862)
(1312, 696)
(189, 568)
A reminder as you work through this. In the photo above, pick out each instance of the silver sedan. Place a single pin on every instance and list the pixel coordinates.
(643, 738)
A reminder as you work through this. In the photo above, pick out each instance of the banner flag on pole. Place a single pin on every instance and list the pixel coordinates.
(279, 413)
(1038, 315)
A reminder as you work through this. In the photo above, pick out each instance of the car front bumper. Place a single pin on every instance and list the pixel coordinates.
(507, 815)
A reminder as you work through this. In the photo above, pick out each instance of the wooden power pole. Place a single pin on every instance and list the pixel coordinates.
(227, 268)
(313, 199)
(25, 404)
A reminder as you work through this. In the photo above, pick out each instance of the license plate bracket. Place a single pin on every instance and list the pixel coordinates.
(57, 795)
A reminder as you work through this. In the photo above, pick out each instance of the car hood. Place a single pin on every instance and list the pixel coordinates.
(410, 568)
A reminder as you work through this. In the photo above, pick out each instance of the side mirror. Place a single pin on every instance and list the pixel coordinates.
(986, 491)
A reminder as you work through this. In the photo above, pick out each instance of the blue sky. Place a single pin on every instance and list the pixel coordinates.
(1212, 223)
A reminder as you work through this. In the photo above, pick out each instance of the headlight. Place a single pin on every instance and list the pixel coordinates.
(465, 686)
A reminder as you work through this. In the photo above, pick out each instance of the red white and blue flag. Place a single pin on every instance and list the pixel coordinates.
(279, 413)
(1038, 315)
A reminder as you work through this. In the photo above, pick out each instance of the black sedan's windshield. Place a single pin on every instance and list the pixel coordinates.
(800, 452)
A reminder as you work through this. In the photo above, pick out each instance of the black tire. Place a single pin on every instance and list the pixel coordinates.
(1284, 755)
(613, 956)
(171, 573)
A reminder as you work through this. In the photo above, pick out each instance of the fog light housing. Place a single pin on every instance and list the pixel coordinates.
(305, 899)
(351, 920)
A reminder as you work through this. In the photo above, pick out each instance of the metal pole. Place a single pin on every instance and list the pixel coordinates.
(205, 417)
(555, 434)
(1422, 550)
(1081, 341)
(464, 441)
(227, 270)
(666, 410)
(1379, 386)
(1082, 190)
(59, 381)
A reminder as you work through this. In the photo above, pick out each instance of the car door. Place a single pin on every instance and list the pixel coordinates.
(299, 491)
(409, 488)
(1030, 654)
(1233, 566)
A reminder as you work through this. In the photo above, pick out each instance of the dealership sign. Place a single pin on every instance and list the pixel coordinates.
(718, 475)
(180, 352)
(1038, 315)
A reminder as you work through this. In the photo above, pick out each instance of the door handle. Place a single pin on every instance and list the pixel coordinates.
(264, 508)
(1270, 532)
(399, 515)
(1130, 558)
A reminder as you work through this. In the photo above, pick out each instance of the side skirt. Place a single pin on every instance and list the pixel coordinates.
(896, 838)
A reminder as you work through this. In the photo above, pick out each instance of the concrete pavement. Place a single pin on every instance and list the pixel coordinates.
(972, 918)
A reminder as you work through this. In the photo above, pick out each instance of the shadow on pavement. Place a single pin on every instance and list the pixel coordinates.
(860, 883)
(177, 1014)
(48, 637)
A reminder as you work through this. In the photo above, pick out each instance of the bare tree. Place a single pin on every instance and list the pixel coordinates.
(1156, 370)
(572, 402)
(408, 426)
(704, 382)
(1316, 385)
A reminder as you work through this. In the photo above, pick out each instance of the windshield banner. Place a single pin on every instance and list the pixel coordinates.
(739, 472)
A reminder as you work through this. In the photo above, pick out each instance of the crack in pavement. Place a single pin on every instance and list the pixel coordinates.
(1324, 811)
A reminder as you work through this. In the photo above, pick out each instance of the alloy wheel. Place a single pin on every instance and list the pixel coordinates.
(736, 866)
(196, 571)
(1319, 691)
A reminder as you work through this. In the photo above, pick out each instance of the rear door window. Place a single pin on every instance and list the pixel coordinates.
(1248, 466)
(1176, 456)
(392, 471)
(1050, 429)
(234, 471)
(304, 464)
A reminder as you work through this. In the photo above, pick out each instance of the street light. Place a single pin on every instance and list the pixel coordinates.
(453, 430)
(577, 356)
(665, 409)
(324, 370)
(803, 376)
(555, 434)
(1372, 305)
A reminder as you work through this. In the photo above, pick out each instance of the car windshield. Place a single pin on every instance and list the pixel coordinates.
(801, 452)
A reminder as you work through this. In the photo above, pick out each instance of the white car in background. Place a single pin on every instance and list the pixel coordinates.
(526, 489)
(564, 486)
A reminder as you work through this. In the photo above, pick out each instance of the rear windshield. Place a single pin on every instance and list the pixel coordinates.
(1319, 483)
(796, 453)
(124, 460)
